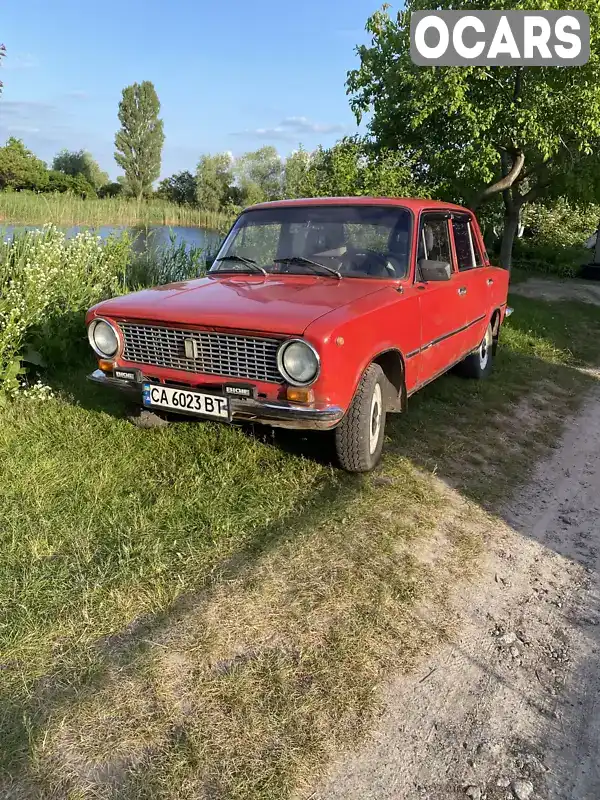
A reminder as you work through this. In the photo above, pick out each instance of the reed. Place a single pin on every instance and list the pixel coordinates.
(28, 208)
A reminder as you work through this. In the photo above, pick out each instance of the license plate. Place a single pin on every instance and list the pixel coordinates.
(185, 401)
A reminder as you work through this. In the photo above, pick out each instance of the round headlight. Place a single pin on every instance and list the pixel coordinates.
(103, 338)
(298, 362)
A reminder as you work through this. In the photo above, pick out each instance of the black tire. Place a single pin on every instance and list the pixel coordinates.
(479, 364)
(359, 436)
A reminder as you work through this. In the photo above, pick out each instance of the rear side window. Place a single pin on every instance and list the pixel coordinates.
(468, 254)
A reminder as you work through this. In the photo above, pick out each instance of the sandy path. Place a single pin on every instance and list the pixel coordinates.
(517, 696)
(552, 289)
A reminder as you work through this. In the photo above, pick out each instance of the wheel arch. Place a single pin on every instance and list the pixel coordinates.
(391, 362)
(495, 321)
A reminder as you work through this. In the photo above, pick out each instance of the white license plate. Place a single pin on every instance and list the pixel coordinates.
(185, 402)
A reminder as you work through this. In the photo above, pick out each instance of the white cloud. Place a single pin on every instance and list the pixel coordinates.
(290, 128)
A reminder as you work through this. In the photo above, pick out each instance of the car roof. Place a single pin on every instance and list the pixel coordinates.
(413, 203)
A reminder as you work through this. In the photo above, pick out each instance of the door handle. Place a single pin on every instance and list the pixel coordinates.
(490, 281)
(462, 290)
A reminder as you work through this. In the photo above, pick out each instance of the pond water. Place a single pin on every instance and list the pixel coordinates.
(151, 237)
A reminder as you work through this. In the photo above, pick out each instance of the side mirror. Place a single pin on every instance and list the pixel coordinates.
(434, 270)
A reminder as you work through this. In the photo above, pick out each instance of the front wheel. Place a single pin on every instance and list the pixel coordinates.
(359, 436)
(479, 364)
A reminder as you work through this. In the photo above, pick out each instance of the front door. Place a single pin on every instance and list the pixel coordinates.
(442, 303)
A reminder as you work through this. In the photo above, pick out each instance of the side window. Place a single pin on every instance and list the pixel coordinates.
(479, 256)
(434, 241)
(463, 242)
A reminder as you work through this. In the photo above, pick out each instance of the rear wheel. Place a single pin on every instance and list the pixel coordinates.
(359, 436)
(479, 364)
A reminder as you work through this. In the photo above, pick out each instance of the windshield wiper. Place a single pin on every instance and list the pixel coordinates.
(249, 262)
(309, 262)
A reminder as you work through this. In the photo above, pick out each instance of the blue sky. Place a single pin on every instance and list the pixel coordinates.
(230, 76)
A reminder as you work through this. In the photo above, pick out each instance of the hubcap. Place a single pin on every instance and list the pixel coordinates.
(484, 348)
(375, 425)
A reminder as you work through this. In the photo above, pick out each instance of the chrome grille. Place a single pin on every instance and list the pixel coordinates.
(224, 354)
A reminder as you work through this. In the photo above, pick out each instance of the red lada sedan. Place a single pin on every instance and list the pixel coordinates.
(325, 314)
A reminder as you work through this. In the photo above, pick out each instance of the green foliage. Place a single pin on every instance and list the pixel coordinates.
(165, 264)
(76, 184)
(260, 175)
(140, 141)
(563, 261)
(179, 188)
(113, 189)
(555, 238)
(562, 223)
(80, 162)
(214, 177)
(469, 127)
(47, 282)
(295, 169)
(20, 168)
(353, 167)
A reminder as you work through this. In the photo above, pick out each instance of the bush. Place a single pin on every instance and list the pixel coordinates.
(47, 282)
(550, 259)
(165, 264)
(561, 224)
(554, 238)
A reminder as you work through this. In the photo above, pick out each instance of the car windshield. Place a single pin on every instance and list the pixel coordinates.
(355, 241)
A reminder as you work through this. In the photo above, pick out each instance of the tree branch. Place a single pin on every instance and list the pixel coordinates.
(518, 83)
(509, 176)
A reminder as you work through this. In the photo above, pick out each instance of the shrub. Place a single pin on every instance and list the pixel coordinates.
(165, 263)
(47, 282)
(550, 259)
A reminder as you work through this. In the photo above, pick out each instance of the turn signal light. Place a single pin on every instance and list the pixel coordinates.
(295, 395)
(105, 366)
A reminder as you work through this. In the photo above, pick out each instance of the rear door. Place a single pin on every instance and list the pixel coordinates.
(442, 306)
(473, 280)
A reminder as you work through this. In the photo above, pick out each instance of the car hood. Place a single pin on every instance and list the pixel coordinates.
(275, 304)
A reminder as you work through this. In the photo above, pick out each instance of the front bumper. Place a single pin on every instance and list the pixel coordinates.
(277, 413)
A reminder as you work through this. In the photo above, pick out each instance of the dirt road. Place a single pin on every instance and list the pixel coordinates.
(512, 707)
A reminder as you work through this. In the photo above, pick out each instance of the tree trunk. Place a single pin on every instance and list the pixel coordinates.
(511, 227)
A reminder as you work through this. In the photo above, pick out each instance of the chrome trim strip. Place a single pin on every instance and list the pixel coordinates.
(273, 412)
(433, 342)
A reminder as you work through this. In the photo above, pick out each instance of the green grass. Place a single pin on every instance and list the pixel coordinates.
(64, 210)
(205, 611)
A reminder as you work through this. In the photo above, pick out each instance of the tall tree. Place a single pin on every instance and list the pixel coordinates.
(214, 179)
(140, 141)
(20, 168)
(80, 162)
(260, 175)
(482, 132)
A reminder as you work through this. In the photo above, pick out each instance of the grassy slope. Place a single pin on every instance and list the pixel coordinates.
(64, 210)
(199, 611)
